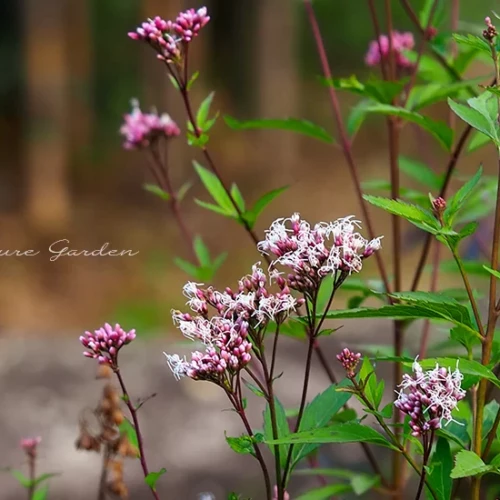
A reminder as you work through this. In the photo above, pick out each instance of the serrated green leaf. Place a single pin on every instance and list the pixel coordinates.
(472, 41)
(156, 190)
(318, 413)
(152, 478)
(474, 118)
(420, 172)
(439, 470)
(350, 432)
(478, 140)
(467, 464)
(458, 200)
(303, 127)
(425, 95)
(242, 445)
(418, 216)
(439, 130)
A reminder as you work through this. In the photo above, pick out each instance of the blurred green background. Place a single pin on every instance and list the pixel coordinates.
(68, 74)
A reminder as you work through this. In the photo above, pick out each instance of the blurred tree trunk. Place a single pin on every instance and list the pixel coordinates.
(79, 42)
(277, 79)
(46, 114)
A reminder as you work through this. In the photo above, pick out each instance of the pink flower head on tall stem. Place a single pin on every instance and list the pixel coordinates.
(379, 49)
(226, 323)
(105, 343)
(170, 38)
(313, 252)
(30, 445)
(430, 397)
(350, 361)
(140, 129)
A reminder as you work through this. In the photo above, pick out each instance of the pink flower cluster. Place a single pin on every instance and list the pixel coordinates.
(169, 37)
(431, 397)
(105, 343)
(379, 50)
(350, 361)
(30, 445)
(332, 248)
(141, 129)
(227, 334)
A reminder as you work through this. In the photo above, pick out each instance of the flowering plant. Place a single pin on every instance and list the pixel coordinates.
(438, 420)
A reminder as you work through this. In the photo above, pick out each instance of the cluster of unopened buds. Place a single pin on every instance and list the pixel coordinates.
(227, 335)
(140, 129)
(379, 50)
(350, 361)
(430, 397)
(105, 343)
(328, 248)
(170, 38)
(490, 33)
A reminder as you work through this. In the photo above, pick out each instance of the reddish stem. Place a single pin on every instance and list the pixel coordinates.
(135, 420)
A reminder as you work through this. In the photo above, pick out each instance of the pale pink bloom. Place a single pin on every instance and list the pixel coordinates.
(30, 445)
(380, 49)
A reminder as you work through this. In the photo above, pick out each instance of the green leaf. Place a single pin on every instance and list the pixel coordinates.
(478, 140)
(237, 197)
(422, 96)
(458, 200)
(127, 428)
(367, 376)
(21, 478)
(201, 251)
(282, 428)
(157, 190)
(203, 110)
(420, 172)
(254, 388)
(303, 127)
(467, 464)
(187, 267)
(356, 117)
(41, 493)
(44, 477)
(490, 413)
(439, 470)
(439, 130)
(361, 483)
(474, 118)
(443, 310)
(416, 215)
(325, 492)
(318, 413)
(350, 432)
(472, 41)
(183, 190)
(252, 215)
(492, 271)
(152, 478)
(242, 445)
(193, 78)
(216, 190)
